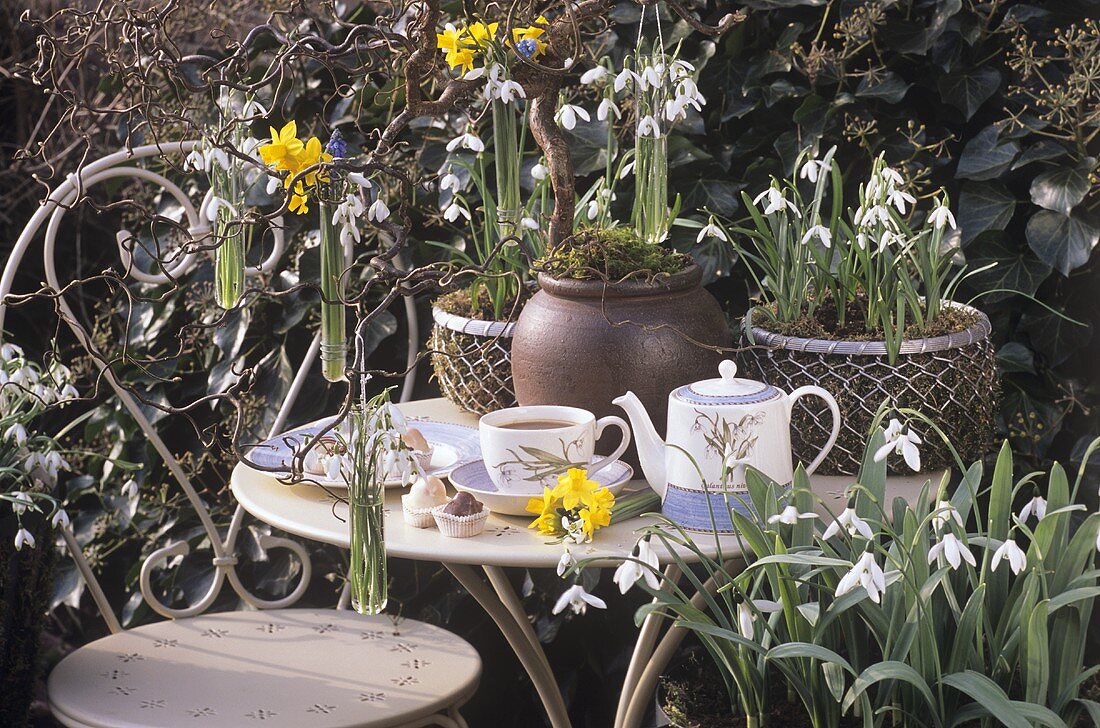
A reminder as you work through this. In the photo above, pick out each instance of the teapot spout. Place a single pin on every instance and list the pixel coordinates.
(651, 448)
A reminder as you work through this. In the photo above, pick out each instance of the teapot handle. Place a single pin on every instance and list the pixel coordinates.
(833, 409)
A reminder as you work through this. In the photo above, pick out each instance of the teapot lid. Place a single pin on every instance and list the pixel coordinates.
(727, 389)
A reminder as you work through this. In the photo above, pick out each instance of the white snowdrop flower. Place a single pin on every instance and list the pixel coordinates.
(466, 141)
(357, 178)
(397, 418)
(577, 599)
(628, 572)
(216, 203)
(675, 109)
(606, 108)
(252, 107)
(68, 392)
(904, 444)
(450, 181)
(55, 463)
(623, 78)
(539, 172)
(821, 233)
(349, 234)
(746, 616)
(17, 434)
(1017, 559)
(850, 522)
(510, 91)
(710, 230)
(593, 210)
(892, 176)
(130, 489)
(810, 170)
(529, 223)
(23, 536)
(899, 200)
(777, 200)
(378, 211)
(196, 161)
(944, 514)
(942, 216)
(60, 518)
(9, 352)
(273, 184)
(1098, 540)
(454, 210)
(1037, 506)
(332, 466)
(574, 530)
(954, 550)
(680, 69)
(790, 516)
(593, 75)
(566, 562)
(866, 573)
(648, 126)
(474, 74)
(569, 113)
(21, 502)
(652, 75)
(627, 170)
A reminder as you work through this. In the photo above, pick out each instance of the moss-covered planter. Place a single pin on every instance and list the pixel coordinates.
(26, 582)
(472, 360)
(951, 379)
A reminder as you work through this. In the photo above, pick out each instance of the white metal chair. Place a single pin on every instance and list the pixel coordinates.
(275, 665)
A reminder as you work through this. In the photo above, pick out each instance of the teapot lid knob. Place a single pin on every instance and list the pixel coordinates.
(727, 369)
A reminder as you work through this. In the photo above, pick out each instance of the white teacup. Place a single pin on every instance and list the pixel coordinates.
(527, 448)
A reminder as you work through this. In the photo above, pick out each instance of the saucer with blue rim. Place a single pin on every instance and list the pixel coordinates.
(473, 478)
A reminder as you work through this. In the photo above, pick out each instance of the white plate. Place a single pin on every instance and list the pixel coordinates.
(473, 478)
(452, 445)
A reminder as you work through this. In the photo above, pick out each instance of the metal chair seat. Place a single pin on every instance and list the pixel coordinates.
(283, 667)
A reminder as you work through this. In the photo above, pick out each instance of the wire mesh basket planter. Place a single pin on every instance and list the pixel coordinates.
(472, 360)
(951, 379)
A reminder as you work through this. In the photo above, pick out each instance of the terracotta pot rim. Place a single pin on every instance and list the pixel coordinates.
(978, 331)
(473, 327)
(661, 284)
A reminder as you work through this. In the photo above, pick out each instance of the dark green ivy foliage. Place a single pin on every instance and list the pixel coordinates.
(998, 102)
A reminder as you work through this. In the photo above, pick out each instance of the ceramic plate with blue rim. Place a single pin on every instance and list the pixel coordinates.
(452, 445)
(473, 478)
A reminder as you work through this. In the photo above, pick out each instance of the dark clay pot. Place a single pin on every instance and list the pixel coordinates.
(583, 343)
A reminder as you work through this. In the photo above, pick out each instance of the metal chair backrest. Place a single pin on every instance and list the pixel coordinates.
(50, 214)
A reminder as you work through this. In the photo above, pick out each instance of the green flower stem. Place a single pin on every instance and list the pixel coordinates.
(369, 582)
(228, 260)
(334, 345)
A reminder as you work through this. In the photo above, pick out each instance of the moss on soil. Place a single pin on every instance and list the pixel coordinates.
(460, 303)
(612, 254)
(823, 324)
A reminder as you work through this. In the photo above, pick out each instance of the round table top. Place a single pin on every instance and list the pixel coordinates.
(308, 511)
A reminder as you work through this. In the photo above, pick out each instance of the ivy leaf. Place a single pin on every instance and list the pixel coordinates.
(1038, 152)
(984, 206)
(1053, 337)
(886, 86)
(1015, 270)
(717, 195)
(1062, 188)
(967, 90)
(1061, 241)
(1015, 357)
(985, 156)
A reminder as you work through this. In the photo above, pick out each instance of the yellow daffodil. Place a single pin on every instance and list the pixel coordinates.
(593, 518)
(482, 33)
(450, 39)
(574, 488)
(546, 510)
(532, 33)
(461, 58)
(284, 146)
(312, 153)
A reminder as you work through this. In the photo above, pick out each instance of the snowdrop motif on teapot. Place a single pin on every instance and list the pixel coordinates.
(716, 428)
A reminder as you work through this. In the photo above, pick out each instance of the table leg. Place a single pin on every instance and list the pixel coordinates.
(637, 700)
(643, 649)
(511, 600)
(530, 655)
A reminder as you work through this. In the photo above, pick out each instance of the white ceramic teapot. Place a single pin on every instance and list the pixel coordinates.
(725, 423)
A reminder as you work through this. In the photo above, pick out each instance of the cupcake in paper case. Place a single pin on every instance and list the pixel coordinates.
(463, 516)
(425, 494)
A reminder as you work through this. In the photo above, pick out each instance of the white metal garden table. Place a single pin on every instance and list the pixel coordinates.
(308, 511)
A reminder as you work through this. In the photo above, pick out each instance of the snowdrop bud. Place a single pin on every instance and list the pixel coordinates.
(130, 488)
(593, 75)
(539, 172)
(378, 211)
(23, 536)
